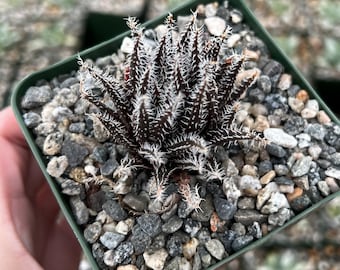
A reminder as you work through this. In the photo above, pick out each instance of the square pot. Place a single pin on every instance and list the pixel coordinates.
(106, 48)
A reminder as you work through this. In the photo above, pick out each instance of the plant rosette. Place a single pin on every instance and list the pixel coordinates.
(186, 146)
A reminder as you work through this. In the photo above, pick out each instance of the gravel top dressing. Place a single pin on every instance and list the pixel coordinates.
(195, 220)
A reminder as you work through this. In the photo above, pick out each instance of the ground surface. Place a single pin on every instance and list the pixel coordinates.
(35, 34)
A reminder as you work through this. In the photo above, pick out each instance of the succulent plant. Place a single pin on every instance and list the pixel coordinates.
(172, 106)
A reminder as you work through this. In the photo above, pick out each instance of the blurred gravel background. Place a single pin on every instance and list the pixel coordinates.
(35, 34)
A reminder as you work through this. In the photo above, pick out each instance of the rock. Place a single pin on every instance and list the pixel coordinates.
(124, 226)
(155, 260)
(36, 97)
(301, 166)
(273, 70)
(114, 210)
(79, 209)
(264, 167)
(249, 170)
(151, 224)
(224, 208)
(296, 104)
(206, 258)
(246, 203)
(31, 119)
(295, 125)
(74, 152)
(268, 177)
(191, 226)
(189, 248)
(140, 240)
(111, 239)
(215, 248)
(174, 245)
(285, 81)
(92, 232)
(265, 193)
(279, 137)
(120, 254)
(135, 202)
(241, 242)
(215, 25)
(249, 185)
(277, 201)
(249, 216)
(323, 188)
(127, 45)
(323, 118)
(275, 150)
(308, 113)
(172, 225)
(109, 167)
(207, 210)
(302, 95)
(317, 131)
(45, 128)
(279, 218)
(57, 166)
(264, 83)
(233, 40)
(333, 186)
(127, 267)
(236, 16)
(52, 144)
(71, 188)
(300, 203)
(295, 194)
(304, 140)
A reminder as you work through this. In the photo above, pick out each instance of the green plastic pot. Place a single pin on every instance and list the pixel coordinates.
(108, 47)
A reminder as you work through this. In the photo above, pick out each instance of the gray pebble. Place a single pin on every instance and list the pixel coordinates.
(71, 187)
(78, 127)
(114, 210)
(36, 97)
(207, 210)
(317, 131)
(74, 152)
(79, 209)
(215, 25)
(135, 202)
(301, 166)
(52, 144)
(224, 208)
(57, 166)
(92, 232)
(301, 203)
(279, 137)
(174, 245)
(275, 150)
(279, 218)
(324, 188)
(31, 119)
(242, 241)
(109, 167)
(215, 248)
(151, 224)
(111, 239)
(172, 225)
(45, 128)
(248, 216)
(140, 240)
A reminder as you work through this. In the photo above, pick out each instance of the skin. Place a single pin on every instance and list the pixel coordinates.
(33, 233)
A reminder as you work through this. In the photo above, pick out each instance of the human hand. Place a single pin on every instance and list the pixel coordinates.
(33, 234)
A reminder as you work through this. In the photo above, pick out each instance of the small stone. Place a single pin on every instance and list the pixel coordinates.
(45, 128)
(302, 95)
(189, 248)
(210, 9)
(206, 258)
(127, 267)
(249, 170)
(277, 201)
(151, 224)
(301, 166)
(124, 226)
(304, 140)
(295, 194)
(268, 177)
(276, 150)
(52, 144)
(127, 45)
(314, 151)
(191, 226)
(249, 185)
(111, 240)
(79, 209)
(279, 218)
(224, 208)
(308, 113)
(100, 132)
(300, 203)
(78, 127)
(92, 232)
(155, 260)
(281, 169)
(295, 125)
(323, 118)
(123, 252)
(249, 216)
(261, 123)
(74, 152)
(279, 137)
(174, 245)
(140, 240)
(172, 225)
(207, 209)
(31, 119)
(236, 16)
(302, 182)
(233, 40)
(71, 188)
(273, 69)
(316, 131)
(109, 167)
(241, 242)
(215, 25)
(285, 81)
(264, 83)
(57, 166)
(135, 202)
(61, 113)
(324, 188)
(246, 203)
(314, 194)
(264, 167)
(215, 248)
(296, 104)
(36, 97)
(265, 193)
(114, 210)
(333, 186)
